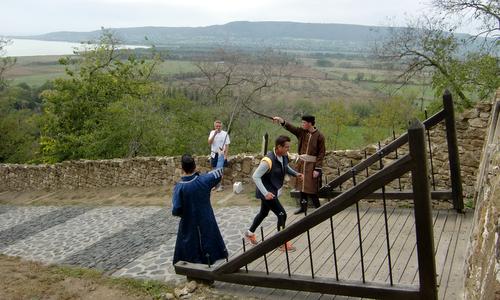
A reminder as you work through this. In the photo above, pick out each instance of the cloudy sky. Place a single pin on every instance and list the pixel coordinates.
(26, 17)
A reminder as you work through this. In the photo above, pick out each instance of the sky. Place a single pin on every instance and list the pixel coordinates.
(30, 17)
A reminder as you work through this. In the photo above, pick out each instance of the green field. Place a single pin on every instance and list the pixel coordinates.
(36, 70)
(307, 83)
(373, 78)
(172, 67)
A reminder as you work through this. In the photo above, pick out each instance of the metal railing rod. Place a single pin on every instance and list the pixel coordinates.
(310, 250)
(334, 251)
(340, 185)
(353, 171)
(244, 250)
(265, 256)
(430, 155)
(396, 150)
(388, 244)
(208, 259)
(287, 262)
(366, 168)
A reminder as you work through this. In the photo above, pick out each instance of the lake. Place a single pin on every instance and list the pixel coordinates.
(22, 47)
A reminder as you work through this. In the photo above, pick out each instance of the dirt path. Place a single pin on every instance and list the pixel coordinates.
(20, 279)
(29, 280)
(126, 196)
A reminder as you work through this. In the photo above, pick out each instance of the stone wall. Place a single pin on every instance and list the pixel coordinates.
(483, 251)
(155, 171)
(471, 126)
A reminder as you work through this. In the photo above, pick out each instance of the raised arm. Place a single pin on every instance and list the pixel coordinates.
(297, 131)
(177, 201)
(211, 136)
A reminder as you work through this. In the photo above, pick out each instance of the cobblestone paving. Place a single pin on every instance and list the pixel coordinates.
(123, 241)
(157, 264)
(13, 216)
(57, 242)
(33, 226)
(116, 251)
(5, 208)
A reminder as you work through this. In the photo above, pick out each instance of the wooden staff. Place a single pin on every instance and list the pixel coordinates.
(256, 112)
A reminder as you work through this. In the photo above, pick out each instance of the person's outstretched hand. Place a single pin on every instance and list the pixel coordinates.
(278, 120)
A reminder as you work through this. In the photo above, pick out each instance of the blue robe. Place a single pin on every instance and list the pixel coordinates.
(198, 233)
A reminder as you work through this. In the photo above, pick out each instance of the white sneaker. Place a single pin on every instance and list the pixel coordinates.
(219, 189)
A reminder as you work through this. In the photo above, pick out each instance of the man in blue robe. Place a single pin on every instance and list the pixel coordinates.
(198, 238)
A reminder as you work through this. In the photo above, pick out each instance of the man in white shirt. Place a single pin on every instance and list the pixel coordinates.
(219, 141)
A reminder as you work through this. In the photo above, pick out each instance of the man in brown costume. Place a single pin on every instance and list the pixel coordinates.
(310, 162)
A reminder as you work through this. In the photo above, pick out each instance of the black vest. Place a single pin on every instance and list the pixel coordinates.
(273, 179)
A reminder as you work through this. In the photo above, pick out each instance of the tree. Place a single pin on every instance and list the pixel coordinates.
(233, 77)
(103, 84)
(486, 12)
(18, 119)
(388, 115)
(429, 45)
(5, 63)
(323, 62)
(333, 119)
(360, 76)
(19, 130)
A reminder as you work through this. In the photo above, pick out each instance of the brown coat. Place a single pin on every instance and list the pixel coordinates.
(311, 144)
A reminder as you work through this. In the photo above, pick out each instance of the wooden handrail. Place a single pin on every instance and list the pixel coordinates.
(316, 285)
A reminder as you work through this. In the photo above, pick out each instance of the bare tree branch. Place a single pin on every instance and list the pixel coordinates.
(488, 12)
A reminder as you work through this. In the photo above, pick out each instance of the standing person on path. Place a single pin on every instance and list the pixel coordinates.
(198, 238)
(311, 153)
(219, 141)
(268, 178)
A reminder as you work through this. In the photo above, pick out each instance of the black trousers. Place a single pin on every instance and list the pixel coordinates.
(265, 206)
(314, 198)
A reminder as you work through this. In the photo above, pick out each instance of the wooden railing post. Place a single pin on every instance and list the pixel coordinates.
(451, 137)
(265, 143)
(423, 214)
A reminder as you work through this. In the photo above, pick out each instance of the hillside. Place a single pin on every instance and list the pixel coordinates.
(281, 35)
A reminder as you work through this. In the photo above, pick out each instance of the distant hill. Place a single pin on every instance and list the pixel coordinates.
(294, 36)
(282, 35)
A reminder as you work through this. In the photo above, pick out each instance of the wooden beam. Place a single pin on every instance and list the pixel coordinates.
(451, 137)
(394, 195)
(349, 197)
(302, 283)
(423, 214)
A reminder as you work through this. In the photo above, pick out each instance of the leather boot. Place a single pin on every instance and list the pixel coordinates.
(315, 201)
(303, 207)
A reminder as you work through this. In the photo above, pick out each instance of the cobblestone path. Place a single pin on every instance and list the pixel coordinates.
(122, 241)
